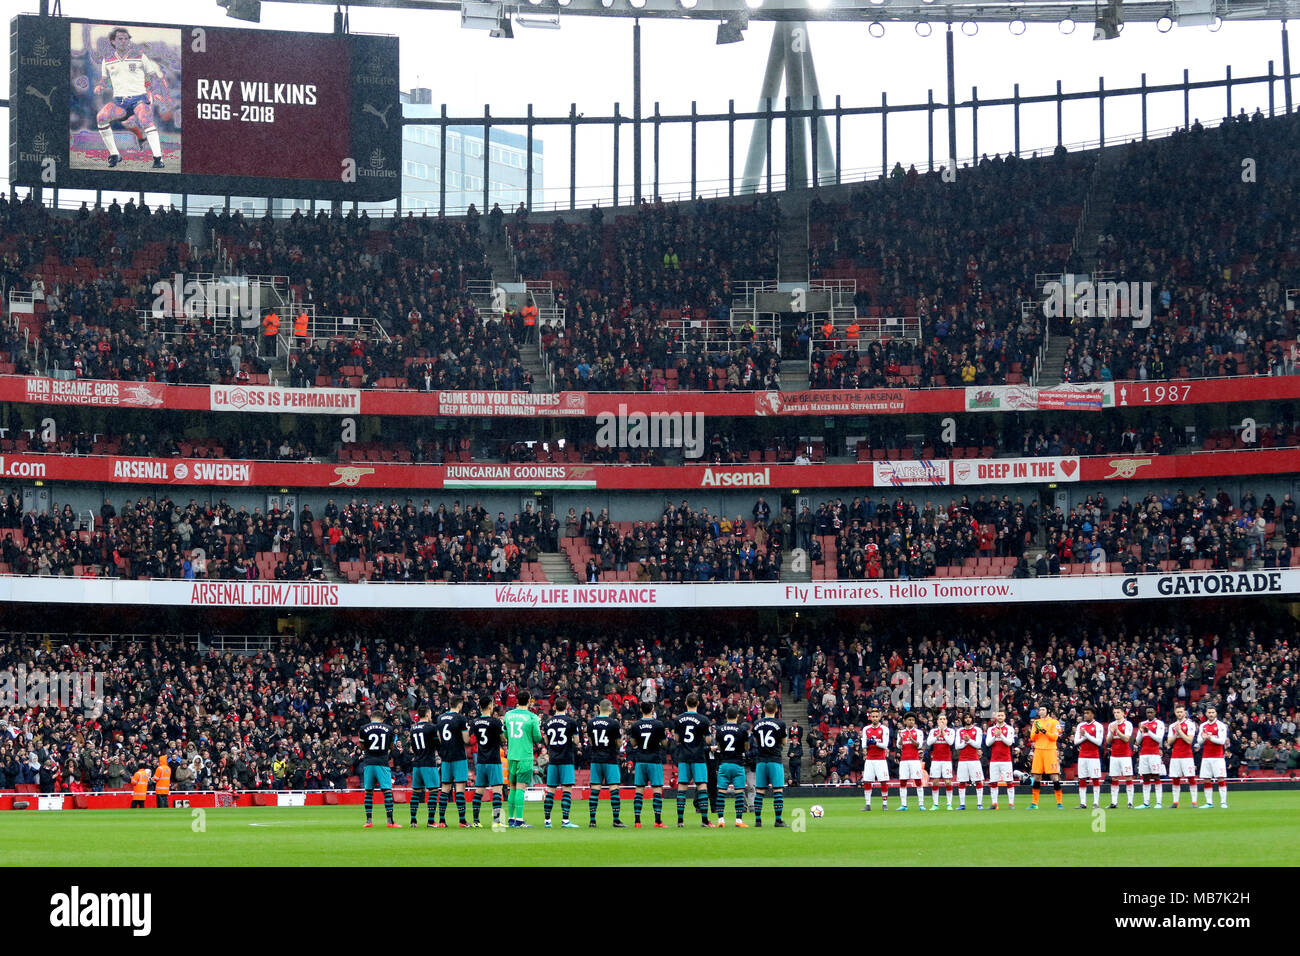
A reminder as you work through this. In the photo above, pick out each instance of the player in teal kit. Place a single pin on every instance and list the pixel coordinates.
(376, 739)
(731, 740)
(486, 729)
(646, 741)
(603, 733)
(692, 732)
(424, 769)
(560, 732)
(453, 736)
(768, 735)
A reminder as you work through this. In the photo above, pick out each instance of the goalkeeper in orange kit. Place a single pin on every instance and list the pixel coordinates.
(1043, 733)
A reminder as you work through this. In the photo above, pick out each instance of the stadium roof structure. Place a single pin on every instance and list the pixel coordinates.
(1182, 12)
(791, 65)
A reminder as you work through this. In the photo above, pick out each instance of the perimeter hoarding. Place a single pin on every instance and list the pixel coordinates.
(209, 110)
(500, 404)
(540, 597)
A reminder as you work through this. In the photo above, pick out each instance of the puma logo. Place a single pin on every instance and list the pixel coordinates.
(383, 117)
(45, 97)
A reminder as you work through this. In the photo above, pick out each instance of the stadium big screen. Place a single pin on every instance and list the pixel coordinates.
(133, 106)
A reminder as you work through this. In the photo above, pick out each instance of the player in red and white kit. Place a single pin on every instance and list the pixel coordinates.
(1151, 764)
(1182, 762)
(910, 741)
(875, 762)
(940, 740)
(1001, 736)
(1119, 738)
(1088, 736)
(970, 744)
(1212, 738)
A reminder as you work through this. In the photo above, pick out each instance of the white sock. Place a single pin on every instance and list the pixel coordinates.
(155, 145)
(1223, 794)
(950, 796)
(1096, 795)
(1160, 791)
(979, 797)
(1146, 794)
(1191, 785)
(1114, 793)
(1011, 794)
(936, 798)
(962, 796)
(1173, 786)
(1132, 789)
(106, 134)
(1209, 796)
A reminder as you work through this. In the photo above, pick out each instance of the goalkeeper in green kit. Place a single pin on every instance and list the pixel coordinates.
(523, 733)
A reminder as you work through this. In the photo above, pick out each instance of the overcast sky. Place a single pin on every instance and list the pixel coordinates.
(589, 62)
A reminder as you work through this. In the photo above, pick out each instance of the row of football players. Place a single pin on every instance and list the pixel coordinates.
(1118, 738)
(440, 764)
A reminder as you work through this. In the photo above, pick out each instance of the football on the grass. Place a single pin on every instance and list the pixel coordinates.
(816, 811)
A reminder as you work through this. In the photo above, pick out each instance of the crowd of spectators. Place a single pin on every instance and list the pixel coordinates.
(605, 346)
(407, 442)
(685, 545)
(287, 715)
(864, 538)
(1165, 530)
(244, 445)
(160, 538)
(1216, 246)
(1247, 671)
(643, 295)
(958, 256)
(660, 255)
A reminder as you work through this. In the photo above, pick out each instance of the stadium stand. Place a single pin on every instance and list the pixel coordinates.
(642, 294)
(285, 715)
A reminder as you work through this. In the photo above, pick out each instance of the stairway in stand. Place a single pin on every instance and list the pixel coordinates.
(556, 568)
(794, 375)
(791, 576)
(1053, 369)
(793, 712)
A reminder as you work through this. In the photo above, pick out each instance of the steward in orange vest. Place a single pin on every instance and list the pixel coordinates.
(162, 787)
(139, 786)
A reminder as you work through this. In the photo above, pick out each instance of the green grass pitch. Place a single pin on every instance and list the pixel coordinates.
(1259, 829)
